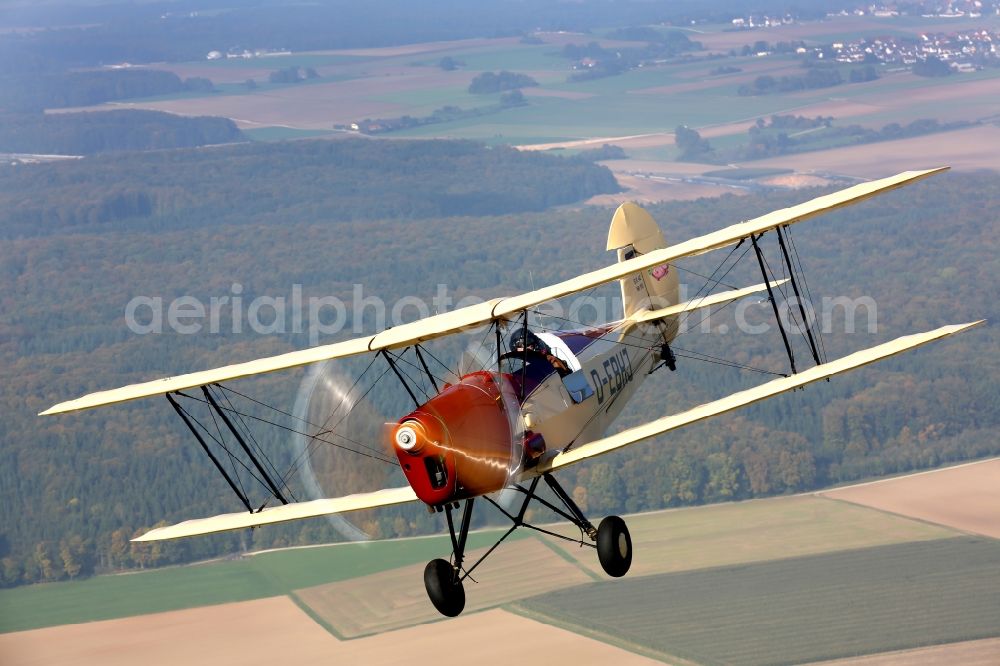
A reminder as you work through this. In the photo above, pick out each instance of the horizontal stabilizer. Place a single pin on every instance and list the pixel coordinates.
(742, 399)
(499, 308)
(281, 514)
(703, 302)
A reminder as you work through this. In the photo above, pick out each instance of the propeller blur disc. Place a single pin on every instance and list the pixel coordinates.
(339, 456)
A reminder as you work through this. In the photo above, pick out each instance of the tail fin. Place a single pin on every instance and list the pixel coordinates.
(634, 232)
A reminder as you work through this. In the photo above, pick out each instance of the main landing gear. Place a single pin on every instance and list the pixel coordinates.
(443, 579)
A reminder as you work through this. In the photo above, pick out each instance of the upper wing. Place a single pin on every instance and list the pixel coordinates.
(743, 398)
(280, 514)
(483, 313)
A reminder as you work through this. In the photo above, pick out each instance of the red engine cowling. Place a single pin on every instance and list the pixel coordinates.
(459, 443)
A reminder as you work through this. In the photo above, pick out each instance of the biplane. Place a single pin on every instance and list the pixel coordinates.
(545, 400)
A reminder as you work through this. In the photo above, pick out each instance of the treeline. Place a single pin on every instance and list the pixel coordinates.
(593, 61)
(770, 139)
(86, 483)
(337, 180)
(789, 134)
(35, 92)
(815, 77)
(490, 82)
(108, 131)
(446, 114)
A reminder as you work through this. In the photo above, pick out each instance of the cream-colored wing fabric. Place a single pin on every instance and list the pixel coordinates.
(714, 241)
(742, 399)
(281, 514)
(406, 334)
(703, 302)
(483, 313)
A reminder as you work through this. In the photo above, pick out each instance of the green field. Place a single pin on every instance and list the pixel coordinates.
(522, 58)
(797, 610)
(264, 575)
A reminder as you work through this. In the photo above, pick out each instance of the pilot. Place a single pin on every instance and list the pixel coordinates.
(524, 340)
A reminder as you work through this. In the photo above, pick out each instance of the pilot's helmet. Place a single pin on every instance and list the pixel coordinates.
(522, 338)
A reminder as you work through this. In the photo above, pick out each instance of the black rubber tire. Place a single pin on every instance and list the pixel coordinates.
(614, 546)
(448, 597)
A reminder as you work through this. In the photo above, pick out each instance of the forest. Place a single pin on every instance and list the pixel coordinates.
(111, 131)
(346, 179)
(330, 217)
(32, 93)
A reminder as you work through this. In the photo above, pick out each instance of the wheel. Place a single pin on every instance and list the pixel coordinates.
(448, 596)
(614, 546)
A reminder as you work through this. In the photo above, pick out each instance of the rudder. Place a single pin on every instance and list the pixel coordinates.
(634, 232)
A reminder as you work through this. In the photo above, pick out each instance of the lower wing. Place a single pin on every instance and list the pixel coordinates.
(281, 514)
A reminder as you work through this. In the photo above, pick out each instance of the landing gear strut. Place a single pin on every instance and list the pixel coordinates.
(443, 579)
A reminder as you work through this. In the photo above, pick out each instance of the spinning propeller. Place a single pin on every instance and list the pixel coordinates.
(341, 455)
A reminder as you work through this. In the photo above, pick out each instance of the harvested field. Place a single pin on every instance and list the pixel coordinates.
(312, 105)
(966, 149)
(966, 497)
(984, 652)
(318, 106)
(264, 631)
(395, 599)
(797, 610)
(494, 637)
(756, 531)
(903, 97)
(268, 631)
